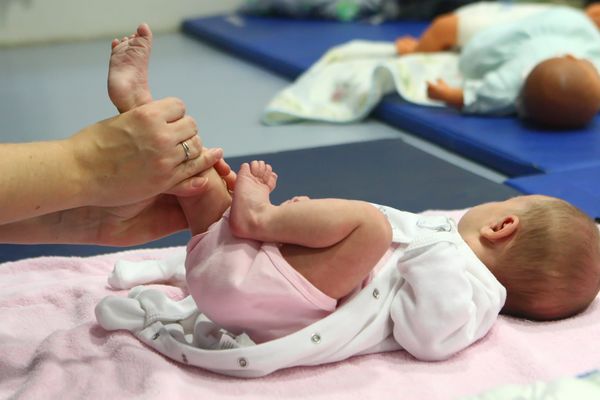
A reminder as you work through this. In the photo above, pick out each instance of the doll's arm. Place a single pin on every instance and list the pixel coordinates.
(441, 35)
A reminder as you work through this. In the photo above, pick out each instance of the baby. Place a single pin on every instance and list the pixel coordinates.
(538, 60)
(271, 270)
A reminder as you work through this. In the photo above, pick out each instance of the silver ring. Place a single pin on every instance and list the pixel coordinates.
(186, 150)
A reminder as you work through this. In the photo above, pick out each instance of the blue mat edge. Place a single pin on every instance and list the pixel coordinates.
(546, 184)
(385, 112)
(264, 61)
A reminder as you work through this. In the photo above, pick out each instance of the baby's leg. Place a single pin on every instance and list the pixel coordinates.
(333, 243)
(201, 211)
(128, 70)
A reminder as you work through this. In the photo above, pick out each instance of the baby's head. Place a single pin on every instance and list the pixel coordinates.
(543, 250)
(561, 93)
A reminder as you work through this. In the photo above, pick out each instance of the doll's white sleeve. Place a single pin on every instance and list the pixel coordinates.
(498, 91)
(448, 300)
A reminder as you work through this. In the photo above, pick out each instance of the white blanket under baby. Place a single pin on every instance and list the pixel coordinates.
(350, 79)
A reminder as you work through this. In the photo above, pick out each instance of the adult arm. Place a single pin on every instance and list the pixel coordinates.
(116, 226)
(125, 225)
(118, 161)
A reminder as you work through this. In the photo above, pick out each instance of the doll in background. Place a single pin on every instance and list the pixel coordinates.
(538, 60)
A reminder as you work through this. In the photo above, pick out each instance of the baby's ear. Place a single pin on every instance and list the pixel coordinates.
(502, 229)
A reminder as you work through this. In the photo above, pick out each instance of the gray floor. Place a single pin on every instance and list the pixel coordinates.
(50, 92)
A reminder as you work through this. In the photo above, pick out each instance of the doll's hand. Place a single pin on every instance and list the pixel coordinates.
(406, 45)
(440, 90)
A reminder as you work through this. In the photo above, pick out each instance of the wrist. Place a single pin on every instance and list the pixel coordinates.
(82, 179)
(75, 226)
(454, 97)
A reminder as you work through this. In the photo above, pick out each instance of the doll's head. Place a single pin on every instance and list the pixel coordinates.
(561, 93)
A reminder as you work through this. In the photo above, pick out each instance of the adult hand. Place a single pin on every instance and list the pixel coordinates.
(139, 154)
(140, 222)
(117, 226)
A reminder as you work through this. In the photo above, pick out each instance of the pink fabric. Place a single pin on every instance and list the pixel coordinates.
(247, 286)
(51, 347)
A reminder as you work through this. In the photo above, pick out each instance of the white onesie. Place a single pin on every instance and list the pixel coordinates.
(433, 297)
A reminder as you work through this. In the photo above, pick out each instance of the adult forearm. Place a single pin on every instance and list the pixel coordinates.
(38, 178)
(127, 225)
(79, 225)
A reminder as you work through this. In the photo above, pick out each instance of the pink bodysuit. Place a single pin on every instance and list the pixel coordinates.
(247, 286)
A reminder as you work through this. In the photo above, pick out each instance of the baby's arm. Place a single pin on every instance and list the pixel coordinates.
(448, 301)
(333, 243)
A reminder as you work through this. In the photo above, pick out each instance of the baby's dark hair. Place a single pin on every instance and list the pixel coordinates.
(560, 93)
(551, 270)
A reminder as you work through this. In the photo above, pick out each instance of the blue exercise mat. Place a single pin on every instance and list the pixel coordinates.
(579, 186)
(289, 47)
(388, 172)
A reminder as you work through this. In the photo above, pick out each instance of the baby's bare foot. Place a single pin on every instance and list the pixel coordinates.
(128, 70)
(254, 183)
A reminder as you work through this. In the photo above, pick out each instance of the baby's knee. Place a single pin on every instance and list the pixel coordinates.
(381, 230)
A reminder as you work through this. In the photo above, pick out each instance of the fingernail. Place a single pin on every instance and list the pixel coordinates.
(199, 182)
(217, 151)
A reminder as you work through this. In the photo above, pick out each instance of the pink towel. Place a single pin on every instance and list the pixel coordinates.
(51, 347)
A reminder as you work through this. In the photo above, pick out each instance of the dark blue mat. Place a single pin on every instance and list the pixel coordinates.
(579, 187)
(388, 172)
(289, 47)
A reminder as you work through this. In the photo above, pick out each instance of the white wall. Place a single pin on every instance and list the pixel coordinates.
(32, 21)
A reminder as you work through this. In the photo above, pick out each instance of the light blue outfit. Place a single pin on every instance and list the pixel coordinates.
(496, 61)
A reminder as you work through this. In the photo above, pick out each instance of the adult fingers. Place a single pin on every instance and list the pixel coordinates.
(170, 109)
(190, 177)
(188, 149)
(206, 160)
(183, 129)
(193, 186)
(225, 172)
(223, 169)
(230, 180)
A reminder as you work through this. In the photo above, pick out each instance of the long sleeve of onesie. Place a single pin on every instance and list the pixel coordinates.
(448, 300)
